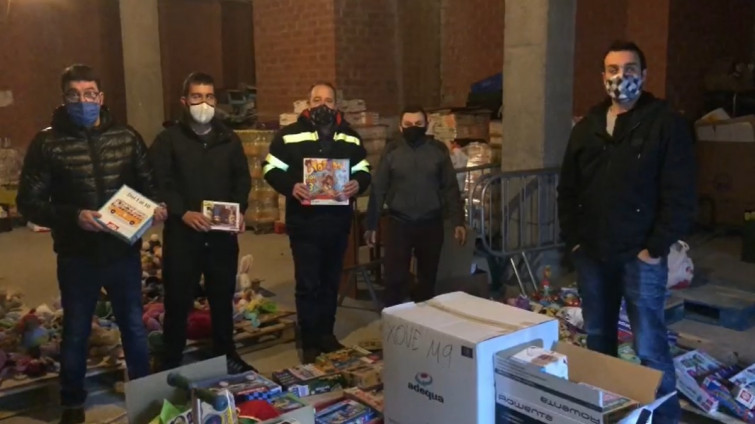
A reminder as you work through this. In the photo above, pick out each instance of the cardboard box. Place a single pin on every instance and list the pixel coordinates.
(300, 106)
(745, 382)
(372, 132)
(526, 394)
(362, 118)
(691, 366)
(287, 119)
(438, 356)
(718, 126)
(725, 173)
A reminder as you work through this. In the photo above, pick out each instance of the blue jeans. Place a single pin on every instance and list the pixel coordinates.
(80, 280)
(643, 287)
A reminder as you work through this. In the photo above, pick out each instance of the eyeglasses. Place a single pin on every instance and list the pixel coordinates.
(87, 96)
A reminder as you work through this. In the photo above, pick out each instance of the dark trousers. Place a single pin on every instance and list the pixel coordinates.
(425, 239)
(184, 263)
(318, 266)
(81, 280)
(643, 287)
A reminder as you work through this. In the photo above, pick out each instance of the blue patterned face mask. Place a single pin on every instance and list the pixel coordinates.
(624, 89)
(83, 114)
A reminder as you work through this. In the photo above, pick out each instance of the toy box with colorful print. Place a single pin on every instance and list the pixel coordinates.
(326, 179)
(371, 398)
(745, 387)
(346, 412)
(128, 214)
(223, 216)
(246, 386)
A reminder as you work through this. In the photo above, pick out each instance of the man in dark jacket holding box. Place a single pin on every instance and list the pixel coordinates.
(626, 194)
(417, 180)
(70, 171)
(198, 160)
(318, 233)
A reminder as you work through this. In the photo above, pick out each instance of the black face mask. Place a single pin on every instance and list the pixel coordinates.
(322, 116)
(414, 134)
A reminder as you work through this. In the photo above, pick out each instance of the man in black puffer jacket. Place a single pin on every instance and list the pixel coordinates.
(627, 193)
(71, 169)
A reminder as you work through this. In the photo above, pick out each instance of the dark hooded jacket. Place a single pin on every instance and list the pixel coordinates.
(68, 169)
(633, 190)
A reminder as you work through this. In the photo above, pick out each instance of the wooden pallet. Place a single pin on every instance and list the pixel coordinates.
(274, 329)
(674, 310)
(12, 386)
(720, 305)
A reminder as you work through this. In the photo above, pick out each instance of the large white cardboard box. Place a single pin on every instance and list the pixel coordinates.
(526, 395)
(439, 356)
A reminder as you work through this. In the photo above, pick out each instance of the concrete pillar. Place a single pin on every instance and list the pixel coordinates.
(538, 69)
(140, 37)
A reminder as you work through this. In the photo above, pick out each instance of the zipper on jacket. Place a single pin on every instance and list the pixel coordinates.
(97, 166)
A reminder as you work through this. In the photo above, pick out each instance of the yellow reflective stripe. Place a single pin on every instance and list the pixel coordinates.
(361, 166)
(298, 138)
(267, 168)
(347, 138)
(273, 162)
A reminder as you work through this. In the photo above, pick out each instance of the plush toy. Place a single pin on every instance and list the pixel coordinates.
(243, 277)
(104, 342)
(33, 335)
(152, 317)
(199, 326)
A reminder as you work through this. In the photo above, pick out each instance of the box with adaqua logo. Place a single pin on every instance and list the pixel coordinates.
(438, 356)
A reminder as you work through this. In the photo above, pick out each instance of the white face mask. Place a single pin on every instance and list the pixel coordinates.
(202, 113)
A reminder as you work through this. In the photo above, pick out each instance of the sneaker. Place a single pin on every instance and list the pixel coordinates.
(236, 365)
(330, 344)
(309, 355)
(73, 416)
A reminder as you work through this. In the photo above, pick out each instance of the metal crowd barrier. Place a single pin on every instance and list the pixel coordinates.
(515, 215)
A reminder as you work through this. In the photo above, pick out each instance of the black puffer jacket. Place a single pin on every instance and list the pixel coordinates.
(68, 169)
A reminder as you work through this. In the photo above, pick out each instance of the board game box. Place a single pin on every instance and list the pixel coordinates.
(326, 179)
(128, 214)
(224, 216)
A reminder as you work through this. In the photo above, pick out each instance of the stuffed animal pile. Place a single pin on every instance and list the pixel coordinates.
(30, 337)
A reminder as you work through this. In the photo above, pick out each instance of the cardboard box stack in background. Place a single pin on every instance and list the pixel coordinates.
(496, 140)
(439, 356)
(447, 125)
(263, 199)
(725, 168)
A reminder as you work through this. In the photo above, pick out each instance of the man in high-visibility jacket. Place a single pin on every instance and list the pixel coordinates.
(318, 233)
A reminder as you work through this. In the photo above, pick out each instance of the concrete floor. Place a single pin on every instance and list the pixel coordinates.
(28, 264)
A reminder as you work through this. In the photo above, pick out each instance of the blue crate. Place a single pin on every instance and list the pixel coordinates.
(489, 84)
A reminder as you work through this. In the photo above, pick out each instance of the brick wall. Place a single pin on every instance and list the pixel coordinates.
(471, 45)
(295, 45)
(37, 41)
(702, 32)
(648, 26)
(419, 29)
(366, 52)
(598, 23)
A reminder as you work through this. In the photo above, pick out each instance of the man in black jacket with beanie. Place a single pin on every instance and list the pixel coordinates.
(196, 160)
(626, 194)
(318, 234)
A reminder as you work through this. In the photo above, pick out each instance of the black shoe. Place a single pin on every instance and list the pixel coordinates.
(236, 365)
(309, 355)
(330, 344)
(73, 416)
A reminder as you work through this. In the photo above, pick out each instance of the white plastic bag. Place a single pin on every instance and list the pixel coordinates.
(680, 266)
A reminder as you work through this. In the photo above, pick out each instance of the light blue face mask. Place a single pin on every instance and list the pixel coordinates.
(83, 114)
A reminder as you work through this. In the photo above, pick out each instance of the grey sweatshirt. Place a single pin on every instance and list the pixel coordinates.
(417, 181)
